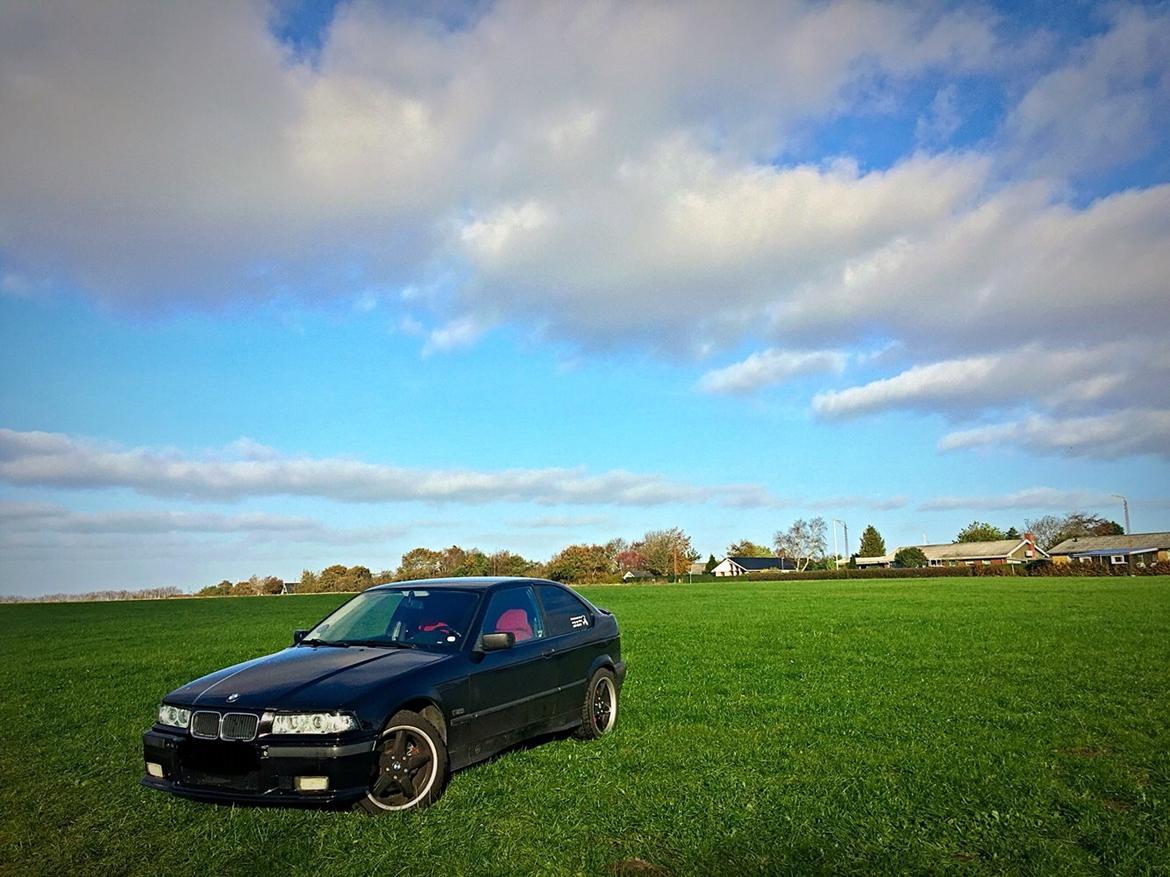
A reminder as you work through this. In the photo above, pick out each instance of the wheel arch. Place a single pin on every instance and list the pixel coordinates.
(601, 662)
(426, 706)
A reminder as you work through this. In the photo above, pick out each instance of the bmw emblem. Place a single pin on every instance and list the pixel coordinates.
(232, 698)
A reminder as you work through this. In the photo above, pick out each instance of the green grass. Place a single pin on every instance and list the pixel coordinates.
(965, 726)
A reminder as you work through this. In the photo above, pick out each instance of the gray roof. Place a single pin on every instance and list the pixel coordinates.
(756, 564)
(1121, 544)
(972, 550)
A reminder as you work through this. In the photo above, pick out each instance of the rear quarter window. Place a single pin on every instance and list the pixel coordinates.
(565, 613)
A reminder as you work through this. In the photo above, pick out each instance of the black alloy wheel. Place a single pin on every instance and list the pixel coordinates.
(600, 710)
(410, 768)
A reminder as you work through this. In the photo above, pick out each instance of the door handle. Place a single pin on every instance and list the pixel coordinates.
(548, 653)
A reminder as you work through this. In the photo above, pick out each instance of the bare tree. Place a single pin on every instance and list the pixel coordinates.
(804, 541)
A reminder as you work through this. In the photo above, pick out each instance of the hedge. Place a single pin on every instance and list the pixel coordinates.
(1054, 570)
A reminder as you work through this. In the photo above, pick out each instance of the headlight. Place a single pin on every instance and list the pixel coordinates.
(313, 723)
(175, 716)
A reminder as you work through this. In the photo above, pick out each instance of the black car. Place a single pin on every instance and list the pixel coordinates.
(401, 685)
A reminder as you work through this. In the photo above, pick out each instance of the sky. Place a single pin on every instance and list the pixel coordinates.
(293, 284)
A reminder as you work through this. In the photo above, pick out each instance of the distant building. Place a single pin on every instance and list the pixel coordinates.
(698, 568)
(741, 566)
(289, 587)
(999, 552)
(1133, 550)
(635, 575)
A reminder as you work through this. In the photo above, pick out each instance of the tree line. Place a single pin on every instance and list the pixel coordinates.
(97, 596)
(659, 554)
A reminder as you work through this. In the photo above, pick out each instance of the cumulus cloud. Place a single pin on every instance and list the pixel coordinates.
(1102, 108)
(57, 460)
(540, 166)
(770, 367)
(1107, 436)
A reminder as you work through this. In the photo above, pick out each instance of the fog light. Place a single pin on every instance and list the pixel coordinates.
(311, 784)
(154, 769)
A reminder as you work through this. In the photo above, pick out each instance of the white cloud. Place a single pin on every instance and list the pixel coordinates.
(606, 173)
(1106, 436)
(1103, 107)
(1047, 498)
(56, 460)
(460, 332)
(1029, 376)
(770, 367)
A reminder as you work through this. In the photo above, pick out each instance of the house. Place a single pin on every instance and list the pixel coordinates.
(1135, 549)
(881, 561)
(698, 568)
(637, 575)
(288, 587)
(996, 553)
(741, 566)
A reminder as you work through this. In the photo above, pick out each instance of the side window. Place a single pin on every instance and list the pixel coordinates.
(564, 611)
(514, 611)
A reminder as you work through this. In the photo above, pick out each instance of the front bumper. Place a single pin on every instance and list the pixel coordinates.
(260, 772)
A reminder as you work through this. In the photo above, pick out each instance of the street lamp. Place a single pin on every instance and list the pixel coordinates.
(844, 527)
(1124, 505)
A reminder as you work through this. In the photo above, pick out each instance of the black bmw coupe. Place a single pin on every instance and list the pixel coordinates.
(377, 704)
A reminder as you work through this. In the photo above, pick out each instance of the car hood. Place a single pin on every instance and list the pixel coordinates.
(319, 677)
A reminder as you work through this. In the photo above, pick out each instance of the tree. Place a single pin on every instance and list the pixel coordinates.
(711, 564)
(910, 557)
(1051, 530)
(630, 559)
(667, 552)
(615, 548)
(1045, 529)
(418, 563)
(804, 541)
(872, 543)
(978, 531)
(505, 563)
(1012, 533)
(748, 548)
(579, 563)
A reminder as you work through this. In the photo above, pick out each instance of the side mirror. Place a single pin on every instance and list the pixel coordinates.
(494, 642)
(298, 635)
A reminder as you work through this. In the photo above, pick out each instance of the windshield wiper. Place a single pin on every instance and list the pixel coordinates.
(381, 643)
(341, 644)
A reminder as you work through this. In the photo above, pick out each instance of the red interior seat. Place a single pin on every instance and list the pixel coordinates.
(515, 621)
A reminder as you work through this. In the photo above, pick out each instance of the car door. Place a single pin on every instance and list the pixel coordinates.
(513, 689)
(569, 627)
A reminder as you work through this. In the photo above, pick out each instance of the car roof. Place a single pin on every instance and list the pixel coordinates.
(463, 583)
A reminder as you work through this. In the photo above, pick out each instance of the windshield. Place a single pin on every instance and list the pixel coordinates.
(399, 618)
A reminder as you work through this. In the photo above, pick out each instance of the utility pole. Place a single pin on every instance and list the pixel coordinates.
(1125, 506)
(844, 527)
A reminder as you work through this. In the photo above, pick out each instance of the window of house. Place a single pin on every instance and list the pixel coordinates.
(970, 563)
(987, 563)
(1117, 559)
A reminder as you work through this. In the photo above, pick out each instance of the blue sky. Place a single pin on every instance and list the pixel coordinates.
(288, 286)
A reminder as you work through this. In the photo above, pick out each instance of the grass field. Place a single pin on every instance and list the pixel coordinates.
(962, 726)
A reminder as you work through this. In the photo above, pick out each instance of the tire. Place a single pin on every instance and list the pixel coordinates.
(410, 768)
(596, 719)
